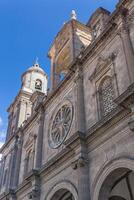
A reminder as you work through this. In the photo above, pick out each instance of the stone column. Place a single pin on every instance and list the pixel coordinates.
(80, 109)
(18, 162)
(39, 140)
(127, 44)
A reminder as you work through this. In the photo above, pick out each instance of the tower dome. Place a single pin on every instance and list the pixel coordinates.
(36, 68)
(34, 79)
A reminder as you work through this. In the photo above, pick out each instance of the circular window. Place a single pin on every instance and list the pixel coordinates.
(60, 125)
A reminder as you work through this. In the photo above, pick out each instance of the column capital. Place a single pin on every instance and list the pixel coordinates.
(78, 74)
(123, 27)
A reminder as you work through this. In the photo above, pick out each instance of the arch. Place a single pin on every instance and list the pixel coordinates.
(119, 164)
(62, 185)
(38, 84)
(116, 198)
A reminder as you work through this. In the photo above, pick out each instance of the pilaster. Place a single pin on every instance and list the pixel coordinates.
(18, 161)
(22, 112)
(12, 166)
(80, 109)
(81, 165)
(39, 139)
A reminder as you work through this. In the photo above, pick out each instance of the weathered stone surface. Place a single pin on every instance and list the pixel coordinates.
(94, 159)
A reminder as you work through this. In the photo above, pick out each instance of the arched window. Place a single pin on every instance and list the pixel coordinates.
(106, 96)
(38, 84)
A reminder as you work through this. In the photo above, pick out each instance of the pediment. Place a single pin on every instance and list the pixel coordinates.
(102, 63)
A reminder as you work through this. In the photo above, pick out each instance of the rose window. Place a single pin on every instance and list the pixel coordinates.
(60, 126)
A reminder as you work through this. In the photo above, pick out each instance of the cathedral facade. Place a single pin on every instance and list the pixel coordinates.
(76, 140)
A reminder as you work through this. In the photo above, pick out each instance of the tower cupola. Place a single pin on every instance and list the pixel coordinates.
(34, 79)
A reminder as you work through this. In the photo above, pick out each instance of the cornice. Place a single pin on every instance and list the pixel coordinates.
(126, 99)
(57, 90)
(100, 128)
(76, 137)
(22, 92)
(93, 46)
(7, 142)
(103, 122)
(20, 129)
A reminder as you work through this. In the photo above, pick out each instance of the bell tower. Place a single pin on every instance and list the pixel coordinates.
(34, 80)
(69, 42)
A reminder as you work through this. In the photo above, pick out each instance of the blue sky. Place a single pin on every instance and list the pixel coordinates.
(28, 28)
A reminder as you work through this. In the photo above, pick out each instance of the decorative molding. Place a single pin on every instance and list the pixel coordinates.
(60, 125)
(80, 162)
(126, 99)
(35, 193)
(60, 185)
(102, 64)
(106, 170)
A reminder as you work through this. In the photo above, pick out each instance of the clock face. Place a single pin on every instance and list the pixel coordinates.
(60, 126)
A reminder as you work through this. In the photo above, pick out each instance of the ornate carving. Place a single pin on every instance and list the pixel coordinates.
(34, 194)
(80, 162)
(107, 96)
(101, 64)
(61, 125)
(78, 74)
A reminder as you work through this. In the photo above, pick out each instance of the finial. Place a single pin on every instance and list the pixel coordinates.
(73, 15)
(36, 60)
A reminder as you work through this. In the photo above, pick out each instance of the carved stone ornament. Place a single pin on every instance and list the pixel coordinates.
(33, 194)
(60, 125)
(80, 162)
